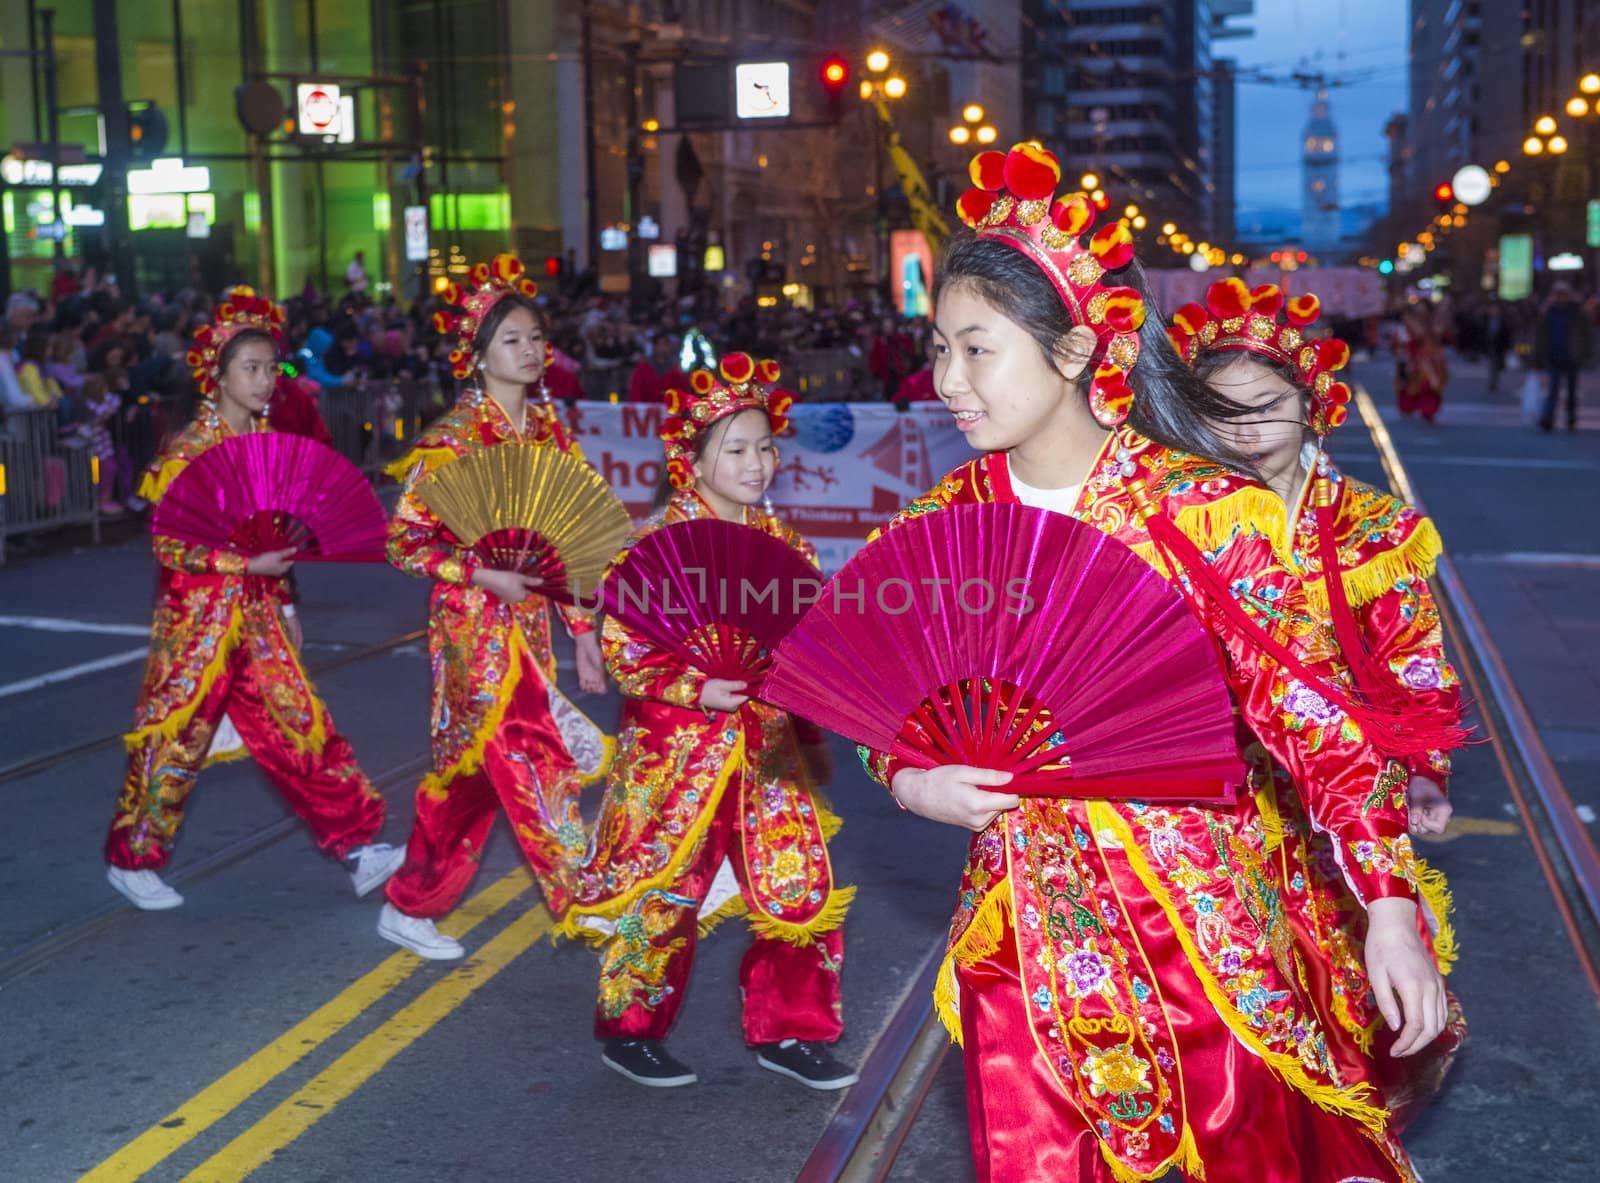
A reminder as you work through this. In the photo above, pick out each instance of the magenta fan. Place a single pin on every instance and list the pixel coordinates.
(1005, 637)
(272, 491)
(717, 594)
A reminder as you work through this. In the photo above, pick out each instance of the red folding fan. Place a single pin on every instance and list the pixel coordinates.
(717, 594)
(1012, 638)
(275, 491)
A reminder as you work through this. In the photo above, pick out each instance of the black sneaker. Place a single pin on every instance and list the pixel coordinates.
(808, 1062)
(646, 1062)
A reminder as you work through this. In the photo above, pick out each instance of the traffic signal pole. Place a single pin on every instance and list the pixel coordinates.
(114, 113)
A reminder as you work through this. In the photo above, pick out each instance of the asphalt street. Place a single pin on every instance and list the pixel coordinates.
(264, 1030)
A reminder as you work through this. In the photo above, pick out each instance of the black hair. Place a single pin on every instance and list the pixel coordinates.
(497, 317)
(1212, 364)
(1171, 405)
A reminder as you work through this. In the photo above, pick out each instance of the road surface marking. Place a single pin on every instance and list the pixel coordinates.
(203, 1110)
(257, 1145)
(56, 624)
(74, 671)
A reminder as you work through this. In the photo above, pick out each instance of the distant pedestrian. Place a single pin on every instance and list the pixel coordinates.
(1563, 345)
(1421, 369)
(355, 275)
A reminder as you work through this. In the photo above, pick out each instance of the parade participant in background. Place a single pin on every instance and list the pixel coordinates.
(704, 775)
(1123, 976)
(1379, 612)
(1421, 369)
(500, 728)
(224, 639)
(658, 373)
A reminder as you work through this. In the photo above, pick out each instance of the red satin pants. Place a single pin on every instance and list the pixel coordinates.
(326, 789)
(1249, 1126)
(789, 991)
(528, 772)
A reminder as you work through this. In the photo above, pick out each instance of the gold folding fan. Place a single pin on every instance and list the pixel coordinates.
(533, 509)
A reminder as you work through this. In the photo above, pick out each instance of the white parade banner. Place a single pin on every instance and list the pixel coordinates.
(844, 468)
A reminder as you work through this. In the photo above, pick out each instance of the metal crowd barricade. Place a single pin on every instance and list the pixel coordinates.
(829, 376)
(45, 483)
(374, 422)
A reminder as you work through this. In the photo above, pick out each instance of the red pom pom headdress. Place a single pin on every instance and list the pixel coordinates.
(740, 384)
(491, 282)
(1236, 318)
(240, 309)
(1013, 202)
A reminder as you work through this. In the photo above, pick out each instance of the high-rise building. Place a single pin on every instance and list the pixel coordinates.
(1319, 177)
(1446, 90)
(1225, 130)
(1125, 90)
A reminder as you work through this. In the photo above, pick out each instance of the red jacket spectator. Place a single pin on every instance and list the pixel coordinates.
(918, 388)
(650, 385)
(294, 409)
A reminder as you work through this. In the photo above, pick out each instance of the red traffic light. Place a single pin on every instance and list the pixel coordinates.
(835, 72)
(1443, 193)
(552, 266)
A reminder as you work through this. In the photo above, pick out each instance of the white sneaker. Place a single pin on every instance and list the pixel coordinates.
(417, 934)
(372, 865)
(144, 889)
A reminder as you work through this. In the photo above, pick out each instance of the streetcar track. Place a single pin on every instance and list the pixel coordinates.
(40, 763)
(23, 959)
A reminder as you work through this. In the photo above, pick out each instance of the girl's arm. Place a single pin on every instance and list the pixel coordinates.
(641, 670)
(419, 543)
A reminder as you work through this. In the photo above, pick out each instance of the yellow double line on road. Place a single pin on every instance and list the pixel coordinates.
(346, 1074)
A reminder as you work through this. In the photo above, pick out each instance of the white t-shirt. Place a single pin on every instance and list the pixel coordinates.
(1057, 500)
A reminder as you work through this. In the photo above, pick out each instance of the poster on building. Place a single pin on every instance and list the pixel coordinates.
(1516, 266)
(845, 469)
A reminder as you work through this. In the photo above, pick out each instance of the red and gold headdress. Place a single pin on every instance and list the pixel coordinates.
(1236, 318)
(491, 282)
(240, 309)
(1013, 203)
(741, 384)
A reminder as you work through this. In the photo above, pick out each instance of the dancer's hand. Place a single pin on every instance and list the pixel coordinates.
(591, 669)
(272, 562)
(723, 694)
(507, 585)
(1428, 809)
(954, 794)
(1410, 992)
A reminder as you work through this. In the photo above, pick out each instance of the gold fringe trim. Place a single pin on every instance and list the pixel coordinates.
(431, 456)
(1186, 1157)
(828, 918)
(305, 744)
(981, 938)
(1212, 524)
(1435, 892)
(179, 719)
(230, 756)
(617, 905)
(1271, 819)
(730, 907)
(1416, 556)
(829, 822)
(153, 485)
(1349, 1101)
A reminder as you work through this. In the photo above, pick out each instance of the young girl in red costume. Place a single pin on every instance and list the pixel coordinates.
(503, 735)
(1257, 349)
(1123, 976)
(704, 775)
(224, 640)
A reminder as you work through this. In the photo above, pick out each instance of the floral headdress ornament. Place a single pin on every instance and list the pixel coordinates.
(1012, 202)
(1235, 318)
(240, 309)
(740, 384)
(502, 276)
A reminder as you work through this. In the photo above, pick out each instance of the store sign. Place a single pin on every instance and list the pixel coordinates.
(649, 228)
(85, 215)
(662, 261)
(1516, 266)
(169, 176)
(1566, 261)
(198, 227)
(1593, 236)
(347, 120)
(320, 109)
(416, 217)
(761, 90)
(613, 238)
(16, 171)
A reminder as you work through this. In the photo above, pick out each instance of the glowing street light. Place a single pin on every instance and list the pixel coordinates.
(1545, 125)
(1589, 84)
(877, 61)
(960, 134)
(987, 134)
(972, 113)
(895, 87)
(1557, 144)
(1132, 211)
(1532, 146)
(1140, 221)
(1577, 106)
(1169, 228)
(1088, 181)
(1502, 166)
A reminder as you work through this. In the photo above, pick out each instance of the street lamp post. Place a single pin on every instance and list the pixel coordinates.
(972, 127)
(880, 89)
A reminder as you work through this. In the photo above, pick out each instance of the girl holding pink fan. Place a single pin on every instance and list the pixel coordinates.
(1123, 974)
(1257, 348)
(503, 736)
(224, 641)
(707, 775)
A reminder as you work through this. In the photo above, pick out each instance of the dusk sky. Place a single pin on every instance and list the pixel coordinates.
(1362, 39)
